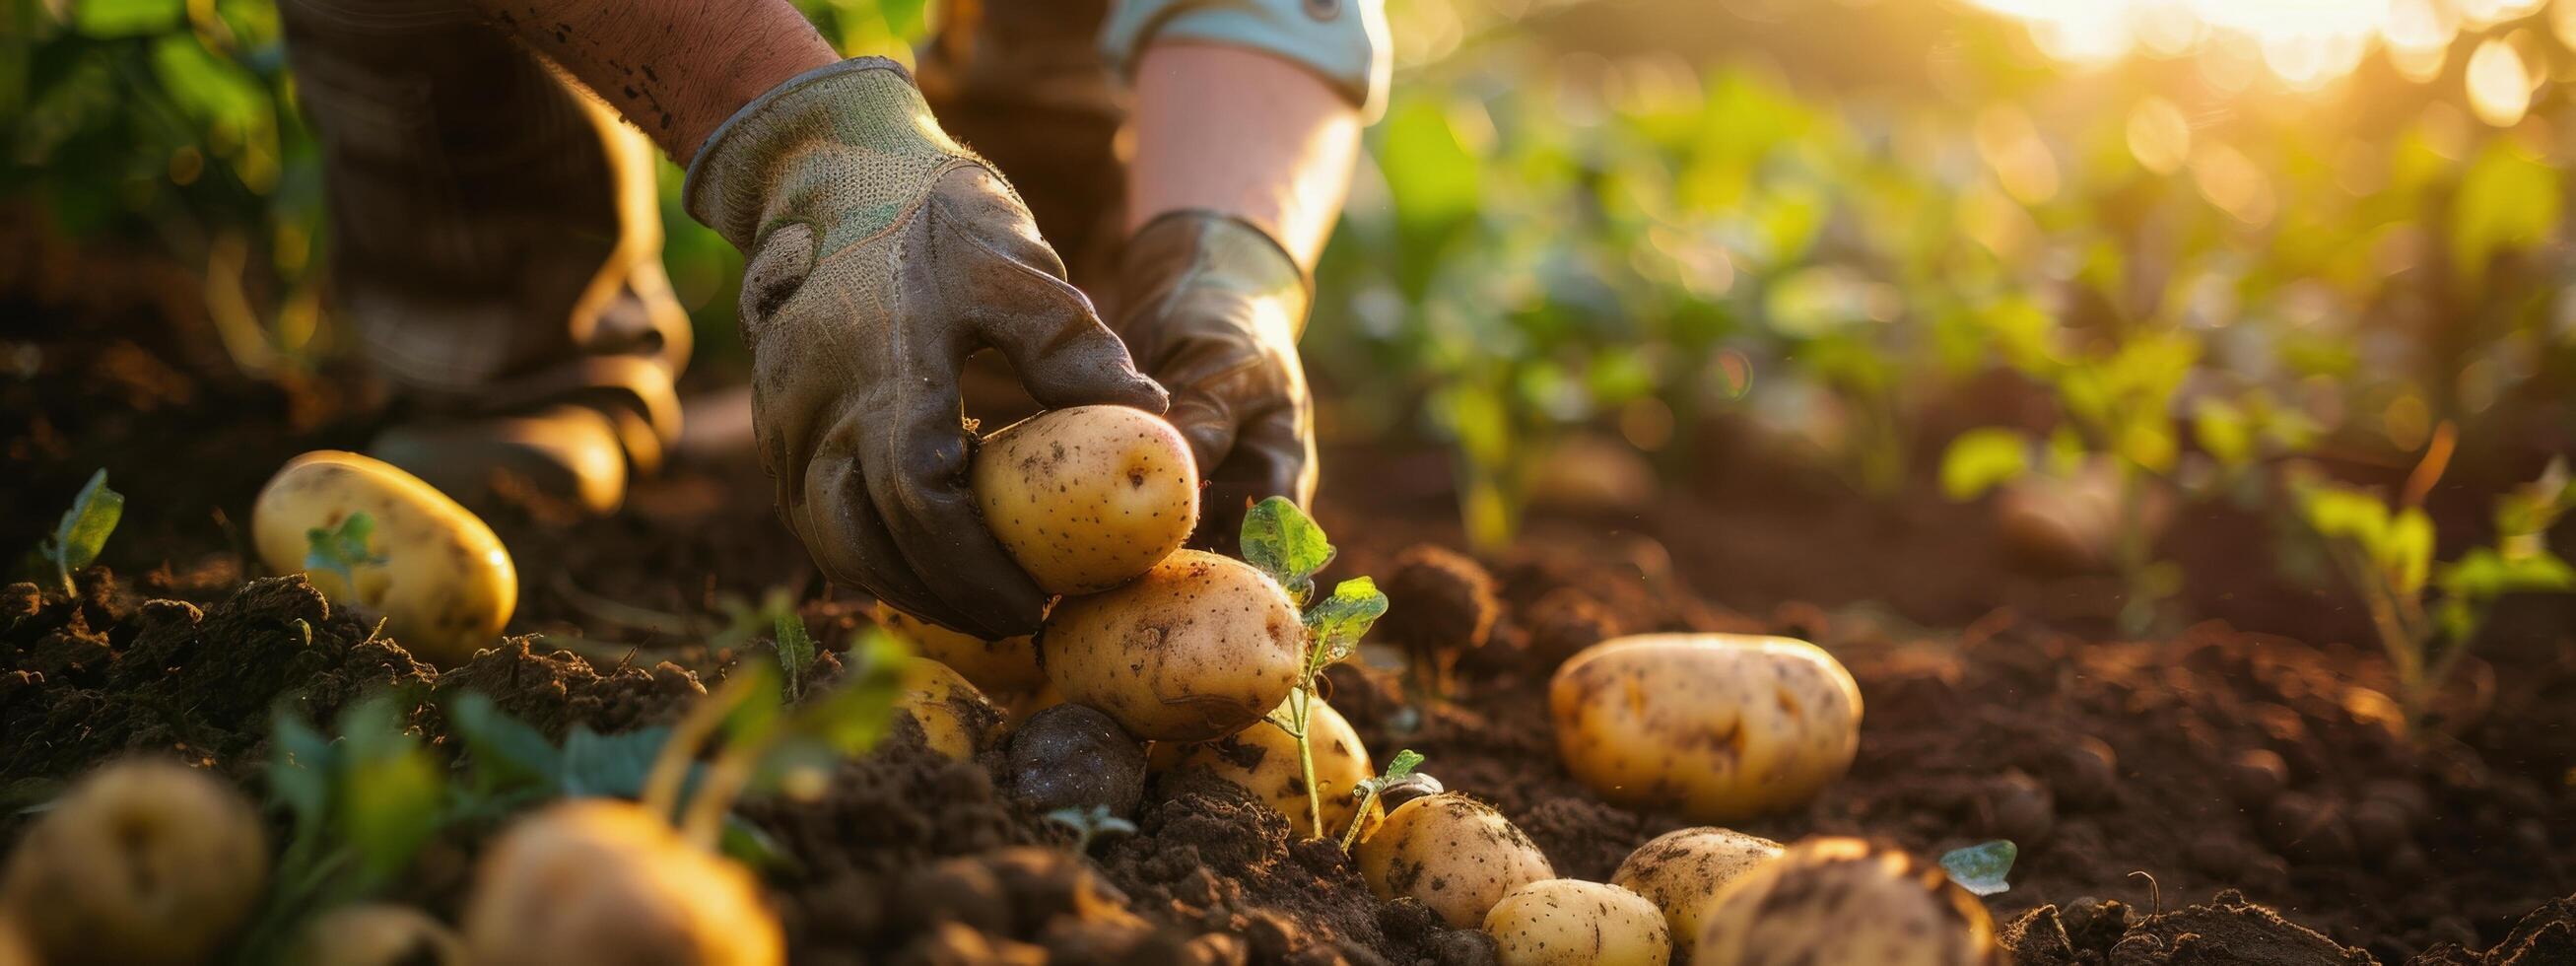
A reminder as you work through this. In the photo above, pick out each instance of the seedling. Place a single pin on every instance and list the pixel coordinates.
(1981, 868)
(795, 653)
(343, 549)
(2386, 552)
(1283, 542)
(1399, 772)
(76, 540)
(1089, 824)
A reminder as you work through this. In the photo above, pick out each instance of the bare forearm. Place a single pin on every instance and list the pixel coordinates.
(1245, 133)
(675, 68)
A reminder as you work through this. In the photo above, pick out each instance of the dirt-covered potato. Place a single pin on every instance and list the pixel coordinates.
(1566, 922)
(1072, 756)
(1087, 498)
(602, 881)
(1679, 870)
(1264, 759)
(377, 934)
(956, 720)
(1718, 726)
(1456, 854)
(143, 861)
(434, 572)
(1198, 648)
(1845, 900)
(1006, 666)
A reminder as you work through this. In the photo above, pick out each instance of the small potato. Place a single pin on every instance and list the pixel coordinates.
(1087, 498)
(599, 881)
(955, 719)
(1454, 853)
(445, 586)
(143, 861)
(1718, 726)
(1680, 870)
(1006, 666)
(378, 934)
(1565, 922)
(1839, 900)
(1263, 758)
(1198, 648)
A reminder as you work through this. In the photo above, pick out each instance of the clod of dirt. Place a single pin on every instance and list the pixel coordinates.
(2228, 929)
(1440, 605)
(1073, 756)
(2545, 937)
(1562, 624)
(558, 689)
(1046, 900)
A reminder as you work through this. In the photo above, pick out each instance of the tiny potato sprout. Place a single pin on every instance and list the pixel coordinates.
(1718, 726)
(955, 719)
(377, 934)
(1678, 871)
(143, 861)
(1845, 900)
(1263, 758)
(1006, 666)
(371, 536)
(1565, 922)
(603, 881)
(1456, 854)
(1200, 647)
(1089, 497)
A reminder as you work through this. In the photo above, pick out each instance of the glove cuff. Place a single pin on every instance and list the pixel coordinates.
(856, 134)
(1202, 246)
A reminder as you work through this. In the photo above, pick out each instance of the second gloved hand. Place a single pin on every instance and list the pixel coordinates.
(1212, 307)
(881, 254)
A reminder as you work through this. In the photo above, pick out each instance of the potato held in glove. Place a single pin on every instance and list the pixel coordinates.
(1718, 726)
(144, 861)
(1845, 900)
(1564, 922)
(1200, 647)
(1089, 497)
(435, 572)
(1264, 759)
(1456, 854)
(601, 881)
(1679, 870)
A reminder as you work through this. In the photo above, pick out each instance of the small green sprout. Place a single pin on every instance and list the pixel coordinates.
(795, 653)
(1283, 542)
(1089, 824)
(1981, 868)
(343, 549)
(1399, 773)
(76, 540)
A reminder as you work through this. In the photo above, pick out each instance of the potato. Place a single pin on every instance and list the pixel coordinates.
(1564, 922)
(445, 586)
(1718, 726)
(956, 720)
(1087, 498)
(1006, 666)
(143, 861)
(1020, 706)
(1680, 870)
(1198, 648)
(603, 881)
(378, 934)
(1845, 900)
(1454, 853)
(1263, 758)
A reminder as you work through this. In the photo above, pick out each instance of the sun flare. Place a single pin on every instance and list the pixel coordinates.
(2304, 43)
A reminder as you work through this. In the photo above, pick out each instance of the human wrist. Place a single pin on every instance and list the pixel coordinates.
(758, 164)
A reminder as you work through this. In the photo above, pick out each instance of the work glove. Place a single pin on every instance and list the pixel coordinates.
(880, 255)
(1212, 306)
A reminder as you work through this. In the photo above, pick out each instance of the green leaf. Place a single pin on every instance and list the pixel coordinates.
(856, 713)
(1982, 459)
(2406, 554)
(503, 745)
(752, 845)
(2338, 512)
(300, 765)
(106, 19)
(1403, 765)
(1981, 868)
(2507, 200)
(84, 528)
(390, 788)
(1338, 622)
(795, 652)
(2224, 431)
(610, 766)
(1283, 542)
(343, 549)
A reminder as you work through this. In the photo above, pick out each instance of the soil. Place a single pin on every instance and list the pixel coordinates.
(2248, 764)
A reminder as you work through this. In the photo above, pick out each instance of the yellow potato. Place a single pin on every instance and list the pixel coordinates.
(378, 934)
(143, 861)
(603, 881)
(955, 719)
(1678, 871)
(1087, 498)
(1198, 648)
(1018, 706)
(1718, 726)
(1005, 666)
(1263, 758)
(1565, 922)
(1454, 853)
(1845, 900)
(445, 586)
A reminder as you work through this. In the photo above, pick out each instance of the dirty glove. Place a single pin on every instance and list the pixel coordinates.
(1212, 307)
(880, 255)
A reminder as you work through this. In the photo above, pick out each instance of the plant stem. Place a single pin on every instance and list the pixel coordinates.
(670, 772)
(1351, 836)
(1300, 704)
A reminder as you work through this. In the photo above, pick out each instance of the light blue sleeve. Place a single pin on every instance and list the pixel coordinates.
(1343, 41)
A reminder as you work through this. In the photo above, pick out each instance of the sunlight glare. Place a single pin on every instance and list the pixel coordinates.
(2305, 44)
(2499, 83)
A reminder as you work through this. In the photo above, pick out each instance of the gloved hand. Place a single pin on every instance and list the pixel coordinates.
(1212, 306)
(881, 254)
